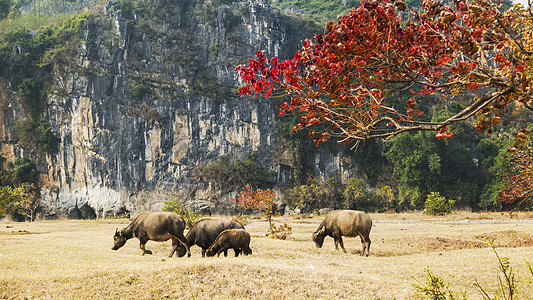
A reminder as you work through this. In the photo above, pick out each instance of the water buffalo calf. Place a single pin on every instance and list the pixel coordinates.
(204, 232)
(350, 223)
(154, 226)
(236, 239)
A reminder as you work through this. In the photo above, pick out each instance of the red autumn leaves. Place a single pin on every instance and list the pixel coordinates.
(342, 82)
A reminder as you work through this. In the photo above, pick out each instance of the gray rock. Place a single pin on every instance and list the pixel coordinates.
(152, 97)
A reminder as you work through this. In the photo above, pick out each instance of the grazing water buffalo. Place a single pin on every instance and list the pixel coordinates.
(339, 223)
(236, 239)
(154, 226)
(204, 232)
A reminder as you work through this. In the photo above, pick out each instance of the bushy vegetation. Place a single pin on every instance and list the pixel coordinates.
(27, 59)
(321, 11)
(36, 136)
(23, 200)
(401, 173)
(315, 194)
(187, 214)
(232, 174)
(19, 192)
(435, 289)
(139, 89)
(437, 205)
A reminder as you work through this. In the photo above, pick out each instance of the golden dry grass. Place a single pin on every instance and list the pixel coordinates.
(74, 260)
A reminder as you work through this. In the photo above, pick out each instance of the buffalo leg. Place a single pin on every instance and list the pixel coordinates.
(363, 245)
(174, 246)
(367, 246)
(237, 252)
(341, 242)
(222, 250)
(143, 248)
(183, 240)
(336, 240)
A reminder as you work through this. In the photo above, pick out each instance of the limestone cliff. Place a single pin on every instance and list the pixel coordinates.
(151, 96)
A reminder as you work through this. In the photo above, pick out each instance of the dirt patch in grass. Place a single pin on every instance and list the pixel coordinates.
(416, 244)
(19, 232)
(507, 238)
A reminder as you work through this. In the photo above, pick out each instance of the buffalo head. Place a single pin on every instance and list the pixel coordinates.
(181, 251)
(318, 238)
(120, 240)
(210, 253)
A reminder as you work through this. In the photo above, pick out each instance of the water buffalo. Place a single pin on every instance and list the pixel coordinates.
(339, 223)
(204, 232)
(236, 239)
(154, 226)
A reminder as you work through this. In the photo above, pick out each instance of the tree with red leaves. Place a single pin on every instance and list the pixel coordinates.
(472, 53)
(259, 200)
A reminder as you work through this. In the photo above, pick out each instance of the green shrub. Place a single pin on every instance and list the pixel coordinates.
(243, 219)
(128, 8)
(187, 214)
(435, 289)
(24, 130)
(46, 140)
(355, 193)
(438, 205)
(138, 90)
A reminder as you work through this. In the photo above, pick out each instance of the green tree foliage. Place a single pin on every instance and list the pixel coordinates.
(5, 6)
(128, 8)
(302, 196)
(7, 196)
(232, 174)
(31, 135)
(24, 171)
(356, 194)
(23, 200)
(187, 214)
(315, 195)
(139, 89)
(47, 141)
(417, 162)
(25, 132)
(27, 58)
(438, 205)
(27, 201)
(21, 171)
(494, 166)
(31, 90)
(387, 196)
(321, 11)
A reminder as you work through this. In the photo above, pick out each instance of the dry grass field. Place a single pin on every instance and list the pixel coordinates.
(74, 260)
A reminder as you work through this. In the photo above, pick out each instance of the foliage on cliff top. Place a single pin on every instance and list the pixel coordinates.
(27, 58)
(320, 11)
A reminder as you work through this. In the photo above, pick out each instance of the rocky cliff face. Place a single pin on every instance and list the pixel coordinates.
(150, 97)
